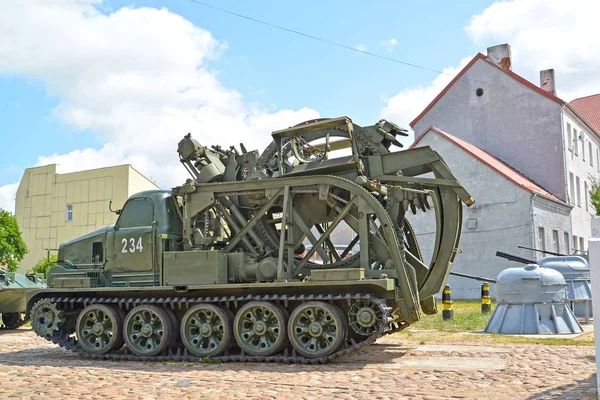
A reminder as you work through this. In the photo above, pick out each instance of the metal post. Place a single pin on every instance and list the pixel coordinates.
(447, 311)
(486, 302)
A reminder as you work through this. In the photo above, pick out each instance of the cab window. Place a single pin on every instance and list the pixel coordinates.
(137, 212)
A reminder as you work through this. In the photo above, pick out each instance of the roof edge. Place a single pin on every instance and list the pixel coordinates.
(480, 56)
(448, 137)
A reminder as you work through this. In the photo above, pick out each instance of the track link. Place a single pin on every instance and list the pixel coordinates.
(66, 340)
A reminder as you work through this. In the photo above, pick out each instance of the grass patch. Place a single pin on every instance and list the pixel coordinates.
(468, 318)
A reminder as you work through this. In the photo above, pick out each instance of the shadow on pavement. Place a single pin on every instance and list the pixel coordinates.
(56, 357)
(19, 331)
(580, 390)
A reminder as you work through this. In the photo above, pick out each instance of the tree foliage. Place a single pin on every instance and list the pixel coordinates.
(595, 193)
(12, 245)
(44, 265)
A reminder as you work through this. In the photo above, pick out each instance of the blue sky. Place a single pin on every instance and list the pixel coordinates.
(52, 110)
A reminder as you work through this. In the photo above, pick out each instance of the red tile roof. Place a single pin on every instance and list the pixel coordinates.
(589, 108)
(480, 56)
(486, 158)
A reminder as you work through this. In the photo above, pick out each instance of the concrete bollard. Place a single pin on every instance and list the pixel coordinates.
(447, 311)
(486, 302)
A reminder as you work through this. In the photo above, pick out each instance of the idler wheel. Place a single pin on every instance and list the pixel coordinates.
(317, 329)
(260, 328)
(148, 330)
(206, 330)
(99, 329)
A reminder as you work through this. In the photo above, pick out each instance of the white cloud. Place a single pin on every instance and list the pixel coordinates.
(546, 34)
(360, 47)
(138, 78)
(7, 197)
(389, 44)
(406, 105)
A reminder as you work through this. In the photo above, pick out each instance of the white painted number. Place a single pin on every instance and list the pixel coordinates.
(132, 245)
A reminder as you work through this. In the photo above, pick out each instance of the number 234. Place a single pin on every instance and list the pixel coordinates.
(133, 246)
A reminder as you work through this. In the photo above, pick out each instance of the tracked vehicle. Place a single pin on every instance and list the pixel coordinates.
(239, 263)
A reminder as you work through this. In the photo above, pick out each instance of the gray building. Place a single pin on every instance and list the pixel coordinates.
(509, 210)
(526, 126)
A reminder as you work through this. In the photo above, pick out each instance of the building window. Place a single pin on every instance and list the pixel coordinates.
(575, 142)
(575, 243)
(572, 184)
(586, 194)
(581, 243)
(578, 189)
(569, 137)
(567, 247)
(541, 239)
(69, 213)
(555, 241)
(582, 147)
(598, 159)
(591, 154)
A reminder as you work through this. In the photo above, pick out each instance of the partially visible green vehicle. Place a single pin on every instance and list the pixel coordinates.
(219, 268)
(13, 301)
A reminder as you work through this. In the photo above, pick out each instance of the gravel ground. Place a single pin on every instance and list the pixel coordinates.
(31, 368)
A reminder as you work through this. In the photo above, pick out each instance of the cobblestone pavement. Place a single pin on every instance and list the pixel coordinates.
(32, 368)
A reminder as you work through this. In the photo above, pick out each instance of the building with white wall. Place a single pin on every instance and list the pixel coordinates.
(509, 210)
(52, 208)
(527, 127)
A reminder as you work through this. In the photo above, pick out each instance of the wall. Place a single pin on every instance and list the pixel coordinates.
(551, 216)
(581, 164)
(510, 121)
(500, 220)
(43, 196)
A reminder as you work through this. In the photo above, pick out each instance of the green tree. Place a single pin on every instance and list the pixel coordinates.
(44, 265)
(595, 193)
(12, 246)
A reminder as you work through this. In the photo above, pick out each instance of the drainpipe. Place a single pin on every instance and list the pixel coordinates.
(533, 242)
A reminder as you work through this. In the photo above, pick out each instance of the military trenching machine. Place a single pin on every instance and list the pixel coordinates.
(240, 262)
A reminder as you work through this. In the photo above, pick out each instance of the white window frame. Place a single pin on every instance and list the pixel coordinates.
(591, 153)
(575, 142)
(541, 238)
(572, 184)
(569, 137)
(578, 188)
(567, 243)
(69, 213)
(585, 185)
(581, 243)
(555, 240)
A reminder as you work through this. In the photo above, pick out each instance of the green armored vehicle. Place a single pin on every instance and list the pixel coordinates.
(13, 289)
(239, 263)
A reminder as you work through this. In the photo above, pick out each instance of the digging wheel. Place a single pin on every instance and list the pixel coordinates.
(99, 329)
(317, 329)
(12, 320)
(46, 319)
(148, 330)
(260, 328)
(206, 330)
(365, 317)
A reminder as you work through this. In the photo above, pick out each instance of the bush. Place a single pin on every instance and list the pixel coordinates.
(44, 265)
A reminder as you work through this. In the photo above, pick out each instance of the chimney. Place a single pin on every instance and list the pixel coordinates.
(547, 81)
(500, 55)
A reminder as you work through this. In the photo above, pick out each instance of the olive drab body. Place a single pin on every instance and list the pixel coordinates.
(248, 252)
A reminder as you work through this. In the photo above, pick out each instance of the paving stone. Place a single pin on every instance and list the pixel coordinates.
(32, 368)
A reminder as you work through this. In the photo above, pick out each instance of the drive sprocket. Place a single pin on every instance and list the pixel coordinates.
(46, 318)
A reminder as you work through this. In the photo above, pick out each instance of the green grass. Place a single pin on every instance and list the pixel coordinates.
(468, 318)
